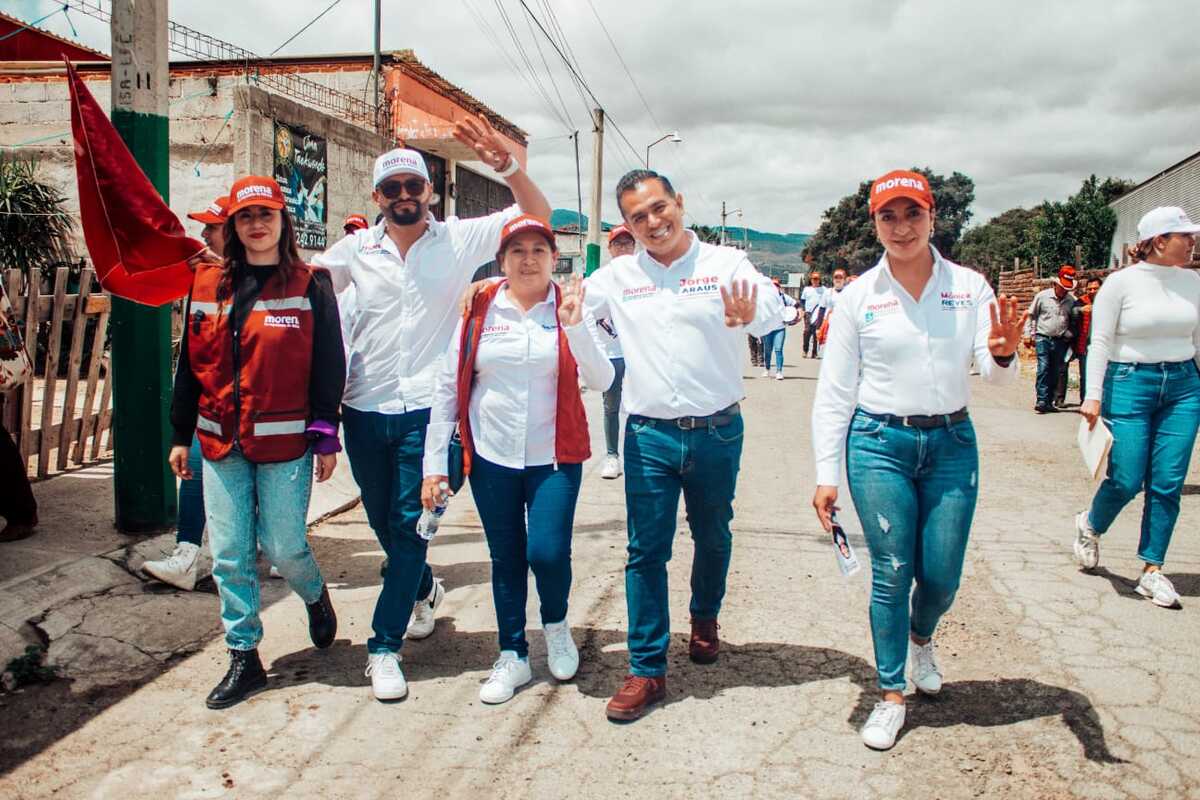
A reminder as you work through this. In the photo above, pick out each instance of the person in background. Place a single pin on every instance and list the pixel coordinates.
(408, 272)
(812, 300)
(756, 351)
(179, 569)
(1049, 329)
(620, 243)
(355, 222)
(1084, 331)
(515, 361)
(18, 506)
(1143, 381)
(839, 285)
(774, 339)
(892, 402)
(259, 381)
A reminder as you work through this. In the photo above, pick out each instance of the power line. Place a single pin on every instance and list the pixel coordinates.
(625, 66)
(486, 28)
(512, 32)
(549, 73)
(562, 37)
(306, 27)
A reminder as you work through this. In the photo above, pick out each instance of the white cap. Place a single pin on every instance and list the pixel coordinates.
(1164, 220)
(400, 161)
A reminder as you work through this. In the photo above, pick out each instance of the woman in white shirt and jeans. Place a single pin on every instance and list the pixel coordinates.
(1142, 378)
(510, 384)
(892, 400)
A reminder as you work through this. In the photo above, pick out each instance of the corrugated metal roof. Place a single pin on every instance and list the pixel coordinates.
(1179, 185)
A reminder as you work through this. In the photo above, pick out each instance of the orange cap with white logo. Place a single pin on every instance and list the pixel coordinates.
(524, 224)
(900, 183)
(214, 214)
(254, 190)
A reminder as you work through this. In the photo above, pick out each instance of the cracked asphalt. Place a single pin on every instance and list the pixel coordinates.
(1059, 683)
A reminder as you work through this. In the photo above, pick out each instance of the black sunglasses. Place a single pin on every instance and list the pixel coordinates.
(413, 187)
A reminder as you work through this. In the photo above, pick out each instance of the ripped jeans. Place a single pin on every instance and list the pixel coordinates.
(915, 491)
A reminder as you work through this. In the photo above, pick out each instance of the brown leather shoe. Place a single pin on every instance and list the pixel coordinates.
(705, 644)
(635, 696)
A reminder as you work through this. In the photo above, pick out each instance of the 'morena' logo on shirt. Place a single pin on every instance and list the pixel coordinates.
(490, 331)
(876, 310)
(952, 300)
(281, 321)
(638, 292)
(706, 286)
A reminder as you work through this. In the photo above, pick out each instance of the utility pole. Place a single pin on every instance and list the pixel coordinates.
(593, 245)
(578, 197)
(376, 63)
(725, 214)
(141, 336)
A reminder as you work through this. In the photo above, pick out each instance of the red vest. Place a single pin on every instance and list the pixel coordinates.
(260, 392)
(571, 442)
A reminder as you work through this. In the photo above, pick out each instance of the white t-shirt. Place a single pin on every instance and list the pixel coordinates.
(406, 308)
(813, 297)
(514, 401)
(889, 353)
(1143, 314)
(681, 359)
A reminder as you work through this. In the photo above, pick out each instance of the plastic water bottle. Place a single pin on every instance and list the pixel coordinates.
(427, 525)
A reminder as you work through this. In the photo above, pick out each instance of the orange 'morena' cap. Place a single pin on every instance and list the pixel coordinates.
(524, 224)
(900, 183)
(214, 214)
(254, 190)
(357, 222)
(619, 230)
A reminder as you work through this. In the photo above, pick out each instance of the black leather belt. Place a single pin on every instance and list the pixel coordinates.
(718, 420)
(922, 421)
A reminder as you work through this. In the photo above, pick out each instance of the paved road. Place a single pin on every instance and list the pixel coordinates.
(1060, 684)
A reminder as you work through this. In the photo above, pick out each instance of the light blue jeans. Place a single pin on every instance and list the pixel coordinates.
(248, 504)
(773, 345)
(1153, 411)
(915, 492)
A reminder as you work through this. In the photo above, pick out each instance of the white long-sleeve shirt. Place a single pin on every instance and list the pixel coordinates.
(681, 359)
(514, 400)
(406, 308)
(1143, 314)
(888, 353)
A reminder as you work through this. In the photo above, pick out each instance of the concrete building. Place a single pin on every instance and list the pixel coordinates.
(1177, 185)
(226, 119)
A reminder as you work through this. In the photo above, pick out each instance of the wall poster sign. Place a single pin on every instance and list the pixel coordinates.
(300, 166)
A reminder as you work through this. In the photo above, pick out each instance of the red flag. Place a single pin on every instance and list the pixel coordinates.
(138, 247)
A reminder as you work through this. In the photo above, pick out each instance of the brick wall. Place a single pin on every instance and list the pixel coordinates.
(1022, 284)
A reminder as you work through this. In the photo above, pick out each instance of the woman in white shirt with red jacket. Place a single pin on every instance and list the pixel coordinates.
(892, 400)
(510, 384)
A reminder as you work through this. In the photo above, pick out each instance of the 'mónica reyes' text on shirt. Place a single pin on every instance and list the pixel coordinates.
(513, 404)
(681, 360)
(889, 353)
(405, 309)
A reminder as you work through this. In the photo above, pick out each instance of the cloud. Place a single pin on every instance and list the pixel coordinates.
(784, 106)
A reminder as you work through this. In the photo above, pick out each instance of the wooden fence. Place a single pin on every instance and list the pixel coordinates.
(46, 416)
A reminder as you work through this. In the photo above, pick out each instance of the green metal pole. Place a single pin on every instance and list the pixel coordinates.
(593, 259)
(141, 336)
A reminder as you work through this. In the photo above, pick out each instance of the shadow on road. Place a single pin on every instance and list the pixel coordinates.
(1186, 583)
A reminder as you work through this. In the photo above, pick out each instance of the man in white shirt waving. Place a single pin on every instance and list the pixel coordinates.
(408, 273)
(683, 309)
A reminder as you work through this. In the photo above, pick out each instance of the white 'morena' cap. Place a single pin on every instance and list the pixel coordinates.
(400, 161)
(1164, 220)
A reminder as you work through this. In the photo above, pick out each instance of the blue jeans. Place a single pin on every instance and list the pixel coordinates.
(773, 345)
(385, 452)
(612, 408)
(191, 500)
(661, 460)
(1153, 411)
(252, 504)
(527, 516)
(915, 493)
(1051, 360)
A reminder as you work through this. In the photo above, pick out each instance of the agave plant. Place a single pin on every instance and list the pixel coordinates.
(36, 232)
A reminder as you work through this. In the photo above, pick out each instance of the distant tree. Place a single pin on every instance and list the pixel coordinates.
(846, 236)
(1083, 219)
(992, 247)
(707, 234)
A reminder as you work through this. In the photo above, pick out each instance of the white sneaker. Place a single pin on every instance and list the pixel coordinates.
(387, 680)
(178, 569)
(766, 373)
(508, 673)
(882, 726)
(1087, 542)
(779, 375)
(420, 624)
(561, 655)
(274, 573)
(1158, 588)
(611, 469)
(923, 667)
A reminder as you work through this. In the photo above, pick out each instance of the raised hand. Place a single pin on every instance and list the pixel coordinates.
(479, 135)
(741, 301)
(570, 310)
(205, 256)
(1008, 323)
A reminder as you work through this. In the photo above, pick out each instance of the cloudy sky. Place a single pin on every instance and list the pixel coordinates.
(785, 106)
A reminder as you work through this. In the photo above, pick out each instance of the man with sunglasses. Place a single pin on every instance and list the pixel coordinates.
(408, 272)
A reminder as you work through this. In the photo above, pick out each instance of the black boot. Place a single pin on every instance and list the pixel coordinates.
(322, 622)
(245, 677)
